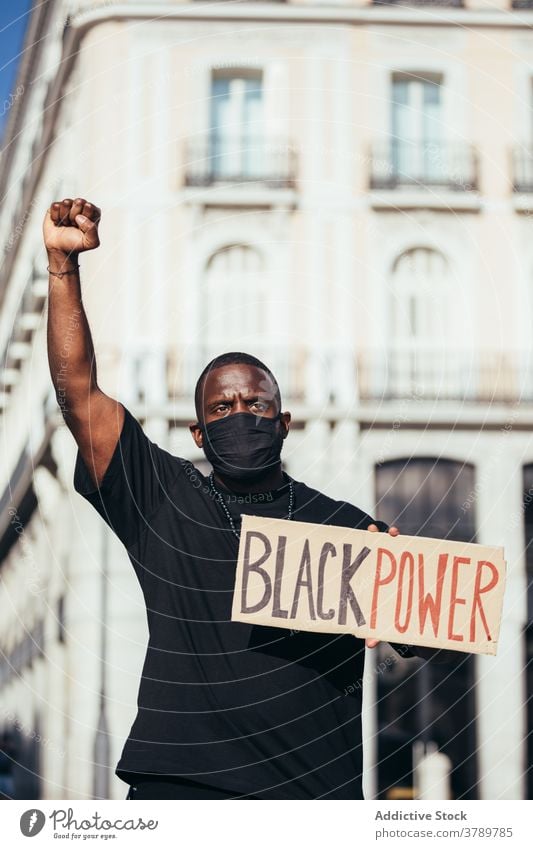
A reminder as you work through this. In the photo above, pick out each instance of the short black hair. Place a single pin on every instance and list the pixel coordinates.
(230, 358)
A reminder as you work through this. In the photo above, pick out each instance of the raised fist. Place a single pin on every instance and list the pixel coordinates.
(71, 226)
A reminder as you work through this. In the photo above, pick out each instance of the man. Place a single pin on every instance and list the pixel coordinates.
(225, 709)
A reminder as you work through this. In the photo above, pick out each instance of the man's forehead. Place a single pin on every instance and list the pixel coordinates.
(238, 377)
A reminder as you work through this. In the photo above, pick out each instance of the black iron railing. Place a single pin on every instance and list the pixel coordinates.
(219, 159)
(340, 376)
(522, 158)
(455, 3)
(444, 374)
(395, 164)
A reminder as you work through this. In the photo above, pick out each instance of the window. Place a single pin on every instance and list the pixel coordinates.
(233, 299)
(435, 703)
(61, 622)
(236, 123)
(528, 529)
(420, 283)
(422, 357)
(417, 127)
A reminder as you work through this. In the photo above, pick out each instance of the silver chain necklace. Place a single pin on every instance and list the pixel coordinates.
(220, 498)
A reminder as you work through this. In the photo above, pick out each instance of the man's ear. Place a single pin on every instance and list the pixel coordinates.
(197, 434)
(285, 419)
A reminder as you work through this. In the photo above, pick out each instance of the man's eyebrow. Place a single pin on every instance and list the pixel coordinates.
(253, 396)
(221, 399)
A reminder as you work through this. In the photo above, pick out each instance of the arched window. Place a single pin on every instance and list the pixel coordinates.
(422, 351)
(430, 497)
(233, 298)
(420, 282)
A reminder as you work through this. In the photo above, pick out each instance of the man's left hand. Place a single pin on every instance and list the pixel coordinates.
(393, 531)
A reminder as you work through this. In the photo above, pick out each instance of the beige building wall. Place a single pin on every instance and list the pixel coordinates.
(136, 93)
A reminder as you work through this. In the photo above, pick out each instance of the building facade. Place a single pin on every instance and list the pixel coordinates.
(343, 188)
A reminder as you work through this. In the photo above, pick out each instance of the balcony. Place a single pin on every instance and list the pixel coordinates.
(165, 379)
(336, 379)
(155, 377)
(522, 163)
(27, 320)
(30, 646)
(223, 161)
(397, 164)
(453, 3)
(430, 374)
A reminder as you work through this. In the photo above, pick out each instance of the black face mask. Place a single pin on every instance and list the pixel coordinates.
(243, 446)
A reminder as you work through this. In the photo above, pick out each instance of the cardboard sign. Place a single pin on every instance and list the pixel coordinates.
(426, 592)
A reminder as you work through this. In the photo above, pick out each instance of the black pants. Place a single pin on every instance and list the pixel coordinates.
(168, 788)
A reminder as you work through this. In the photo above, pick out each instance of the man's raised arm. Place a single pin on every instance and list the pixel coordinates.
(95, 420)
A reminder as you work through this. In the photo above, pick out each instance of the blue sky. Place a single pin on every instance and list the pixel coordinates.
(14, 16)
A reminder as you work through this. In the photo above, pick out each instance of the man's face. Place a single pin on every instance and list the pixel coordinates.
(238, 388)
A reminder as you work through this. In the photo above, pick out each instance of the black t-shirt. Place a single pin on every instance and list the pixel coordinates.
(251, 709)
